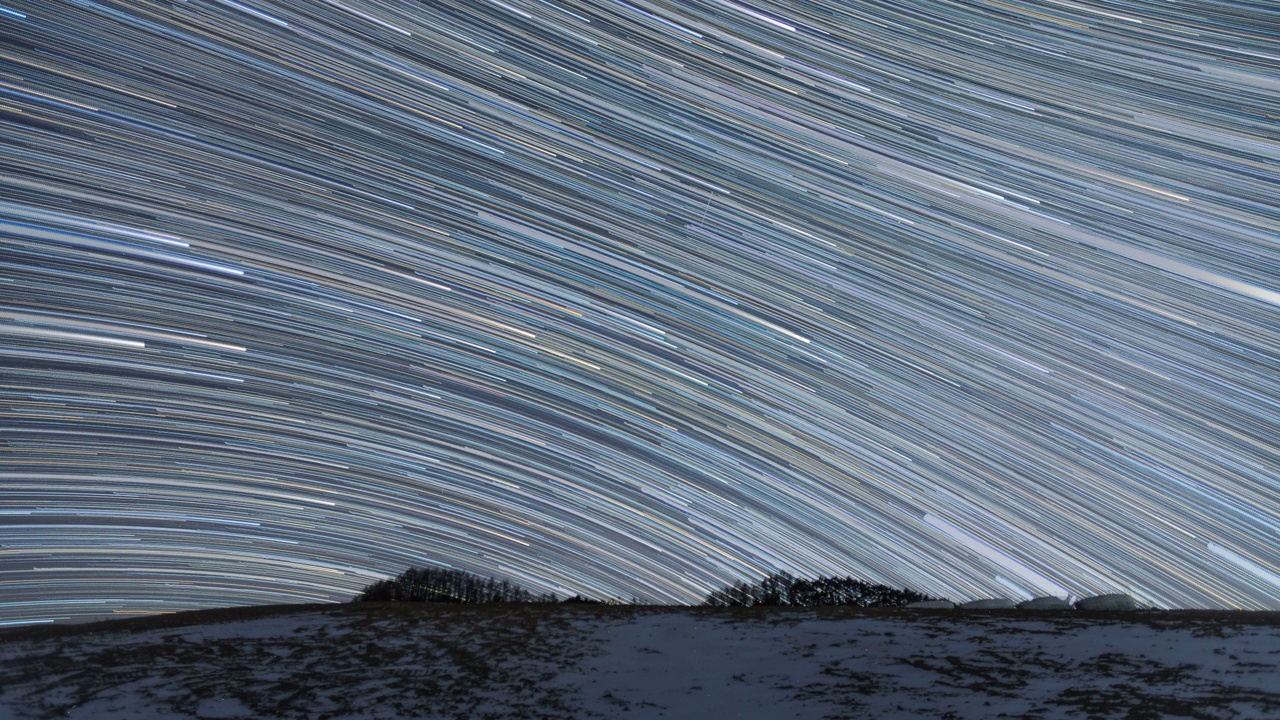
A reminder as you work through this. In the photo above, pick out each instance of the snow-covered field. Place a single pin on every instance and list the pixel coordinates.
(532, 662)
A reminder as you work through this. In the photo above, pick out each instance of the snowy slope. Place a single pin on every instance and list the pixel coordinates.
(404, 661)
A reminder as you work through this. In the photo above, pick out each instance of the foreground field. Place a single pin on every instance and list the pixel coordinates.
(367, 661)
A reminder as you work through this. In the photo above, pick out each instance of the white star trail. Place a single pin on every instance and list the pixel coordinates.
(636, 299)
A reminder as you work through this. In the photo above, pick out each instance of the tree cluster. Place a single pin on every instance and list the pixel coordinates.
(447, 585)
(786, 589)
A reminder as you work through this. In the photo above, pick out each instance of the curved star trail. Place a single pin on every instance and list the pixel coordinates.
(637, 298)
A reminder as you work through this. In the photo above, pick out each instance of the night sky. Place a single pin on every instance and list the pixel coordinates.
(636, 299)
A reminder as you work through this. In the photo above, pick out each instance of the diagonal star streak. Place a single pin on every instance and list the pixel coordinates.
(635, 299)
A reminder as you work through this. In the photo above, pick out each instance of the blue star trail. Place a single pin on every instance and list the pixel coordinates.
(635, 299)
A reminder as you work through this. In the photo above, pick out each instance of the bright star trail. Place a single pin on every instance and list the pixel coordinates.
(637, 298)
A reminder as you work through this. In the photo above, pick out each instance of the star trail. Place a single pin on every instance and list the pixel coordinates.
(635, 299)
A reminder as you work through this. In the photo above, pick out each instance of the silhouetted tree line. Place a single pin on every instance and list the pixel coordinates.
(786, 589)
(447, 585)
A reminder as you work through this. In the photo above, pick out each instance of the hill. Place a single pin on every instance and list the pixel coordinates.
(407, 660)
